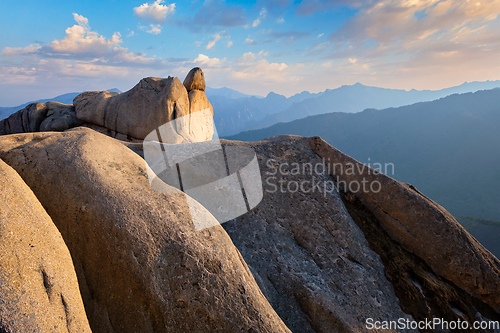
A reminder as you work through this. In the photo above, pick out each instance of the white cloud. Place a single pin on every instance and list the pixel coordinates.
(207, 61)
(153, 29)
(320, 35)
(250, 41)
(81, 40)
(19, 51)
(280, 20)
(250, 67)
(246, 58)
(154, 12)
(229, 44)
(212, 42)
(81, 48)
(262, 15)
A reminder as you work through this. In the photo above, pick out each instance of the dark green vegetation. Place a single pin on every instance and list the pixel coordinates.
(487, 232)
(447, 148)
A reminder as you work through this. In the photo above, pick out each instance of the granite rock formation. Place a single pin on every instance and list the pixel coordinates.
(128, 116)
(38, 286)
(36, 117)
(150, 104)
(140, 263)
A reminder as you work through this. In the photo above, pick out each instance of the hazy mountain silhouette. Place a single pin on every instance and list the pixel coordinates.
(357, 97)
(447, 148)
(227, 92)
(233, 115)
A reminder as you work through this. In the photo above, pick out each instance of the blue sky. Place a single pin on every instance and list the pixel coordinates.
(53, 47)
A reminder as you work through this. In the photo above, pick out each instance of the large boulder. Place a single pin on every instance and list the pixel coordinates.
(195, 80)
(35, 117)
(141, 265)
(420, 225)
(310, 259)
(38, 286)
(150, 104)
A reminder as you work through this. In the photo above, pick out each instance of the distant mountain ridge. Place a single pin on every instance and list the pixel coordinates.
(357, 97)
(227, 92)
(447, 148)
(233, 116)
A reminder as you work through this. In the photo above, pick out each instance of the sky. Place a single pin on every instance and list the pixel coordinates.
(48, 48)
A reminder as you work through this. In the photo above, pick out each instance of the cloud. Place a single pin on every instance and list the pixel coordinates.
(215, 13)
(250, 41)
(283, 37)
(309, 7)
(262, 15)
(212, 42)
(320, 35)
(153, 29)
(229, 44)
(392, 21)
(419, 34)
(287, 34)
(19, 51)
(81, 45)
(252, 67)
(154, 12)
(81, 40)
(204, 60)
(280, 20)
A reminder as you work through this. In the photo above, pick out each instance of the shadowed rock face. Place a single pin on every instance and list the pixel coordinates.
(141, 265)
(418, 224)
(310, 259)
(35, 117)
(38, 285)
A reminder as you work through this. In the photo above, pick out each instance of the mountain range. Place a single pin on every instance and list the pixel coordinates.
(233, 116)
(447, 148)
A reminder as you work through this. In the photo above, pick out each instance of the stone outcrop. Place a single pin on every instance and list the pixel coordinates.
(128, 116)
(420, 225)
(310, 259)
(140, 263)
(150, 104)
(38, 286)
(35, 117)
(195, 80)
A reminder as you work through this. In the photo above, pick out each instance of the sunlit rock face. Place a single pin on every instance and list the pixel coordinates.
(150, 104)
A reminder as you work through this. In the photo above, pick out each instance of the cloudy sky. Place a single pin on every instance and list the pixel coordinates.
(52, 47)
